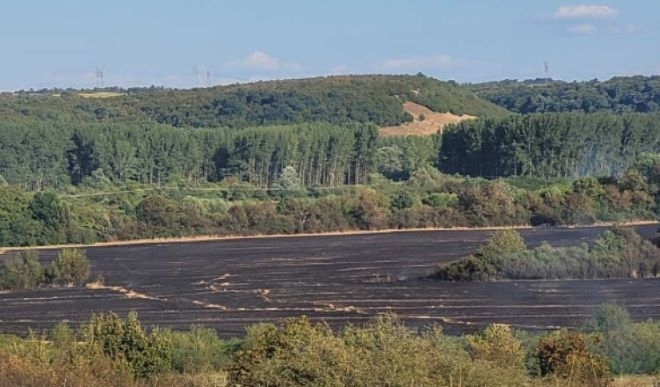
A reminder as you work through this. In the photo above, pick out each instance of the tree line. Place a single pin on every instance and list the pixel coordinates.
(52, 156)
(232, 207)
(619, 95)
(566, 145)
(375, 99)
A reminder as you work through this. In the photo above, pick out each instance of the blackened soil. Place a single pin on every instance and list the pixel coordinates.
(229, 284)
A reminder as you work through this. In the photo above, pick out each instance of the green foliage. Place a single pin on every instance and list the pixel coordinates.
(549, 146)
(630, 348)
(22, 272)
(126, 340)
(619, 253)
(401, 200)
(498, 345)
(70, 267)
(109, 350)
(619, 94)
(382, 353)
(197, 351)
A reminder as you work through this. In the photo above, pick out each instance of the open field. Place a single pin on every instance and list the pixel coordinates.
(344, 278)
(431, 123)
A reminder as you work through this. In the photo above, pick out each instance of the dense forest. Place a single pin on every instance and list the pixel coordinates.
(619, 95)
(47, 155)
(83, 169)
(375, 99)
(562, 145)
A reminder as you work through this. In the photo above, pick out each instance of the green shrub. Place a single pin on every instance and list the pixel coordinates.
(70, 267)
(631, 348)
(126, 340)
(22, 272)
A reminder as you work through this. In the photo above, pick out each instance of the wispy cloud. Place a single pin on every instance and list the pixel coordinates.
(583, 29)
(438, 62)
(586, 12)
(259, 60)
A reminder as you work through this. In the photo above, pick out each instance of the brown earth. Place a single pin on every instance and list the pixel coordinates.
(432, 122)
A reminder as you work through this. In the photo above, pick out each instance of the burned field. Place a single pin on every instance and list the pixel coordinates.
(341, 279)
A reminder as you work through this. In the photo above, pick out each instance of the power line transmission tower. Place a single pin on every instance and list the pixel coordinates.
(208, 78)
(196, 75)
(99, 77)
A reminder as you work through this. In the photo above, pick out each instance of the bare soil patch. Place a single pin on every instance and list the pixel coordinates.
(425, 121)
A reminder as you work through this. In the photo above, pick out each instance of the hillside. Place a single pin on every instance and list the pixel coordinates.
(425, 121)
(339, 99)
(620, 94)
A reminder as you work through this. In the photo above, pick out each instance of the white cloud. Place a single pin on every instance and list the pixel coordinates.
(583, 29)
(586, 12)
(442, 62)
(259, 60)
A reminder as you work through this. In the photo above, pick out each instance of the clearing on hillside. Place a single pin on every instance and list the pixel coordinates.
(100, 94)
(425, 121)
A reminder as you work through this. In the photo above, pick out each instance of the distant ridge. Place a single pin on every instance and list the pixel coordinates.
(374, 99)
(637, 93)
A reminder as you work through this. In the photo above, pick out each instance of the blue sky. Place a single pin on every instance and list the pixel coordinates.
(60, 43)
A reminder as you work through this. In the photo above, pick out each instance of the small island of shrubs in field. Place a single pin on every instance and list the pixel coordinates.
(25, 271)
(618, 253)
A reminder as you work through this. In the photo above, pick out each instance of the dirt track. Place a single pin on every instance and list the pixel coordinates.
(345, 278)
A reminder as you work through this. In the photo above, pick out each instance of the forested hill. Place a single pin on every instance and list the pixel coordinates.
(376, 99)
(620, 94)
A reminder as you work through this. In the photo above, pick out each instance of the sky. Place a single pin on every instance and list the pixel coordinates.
(193, 43)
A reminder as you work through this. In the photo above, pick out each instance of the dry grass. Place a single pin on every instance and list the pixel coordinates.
(431, 123)
(636, 381)
(100, 94)
(128, 293)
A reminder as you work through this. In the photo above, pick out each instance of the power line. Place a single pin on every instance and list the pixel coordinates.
(99, 77)
(196, 75)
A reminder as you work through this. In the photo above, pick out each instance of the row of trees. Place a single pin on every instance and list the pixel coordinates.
(427, 199)
(42, 156)
(547, 146)
(38, 156)
(619, 94)
(110, 350)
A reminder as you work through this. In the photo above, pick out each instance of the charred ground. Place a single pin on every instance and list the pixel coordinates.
(230, 284)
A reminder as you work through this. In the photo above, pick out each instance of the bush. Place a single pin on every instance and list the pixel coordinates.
(630, 348)
(566, 355)
(22, 272)
(382, 353)
(70, 267)
(126, 340)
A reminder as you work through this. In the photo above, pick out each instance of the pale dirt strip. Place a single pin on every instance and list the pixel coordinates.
(211, 238)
